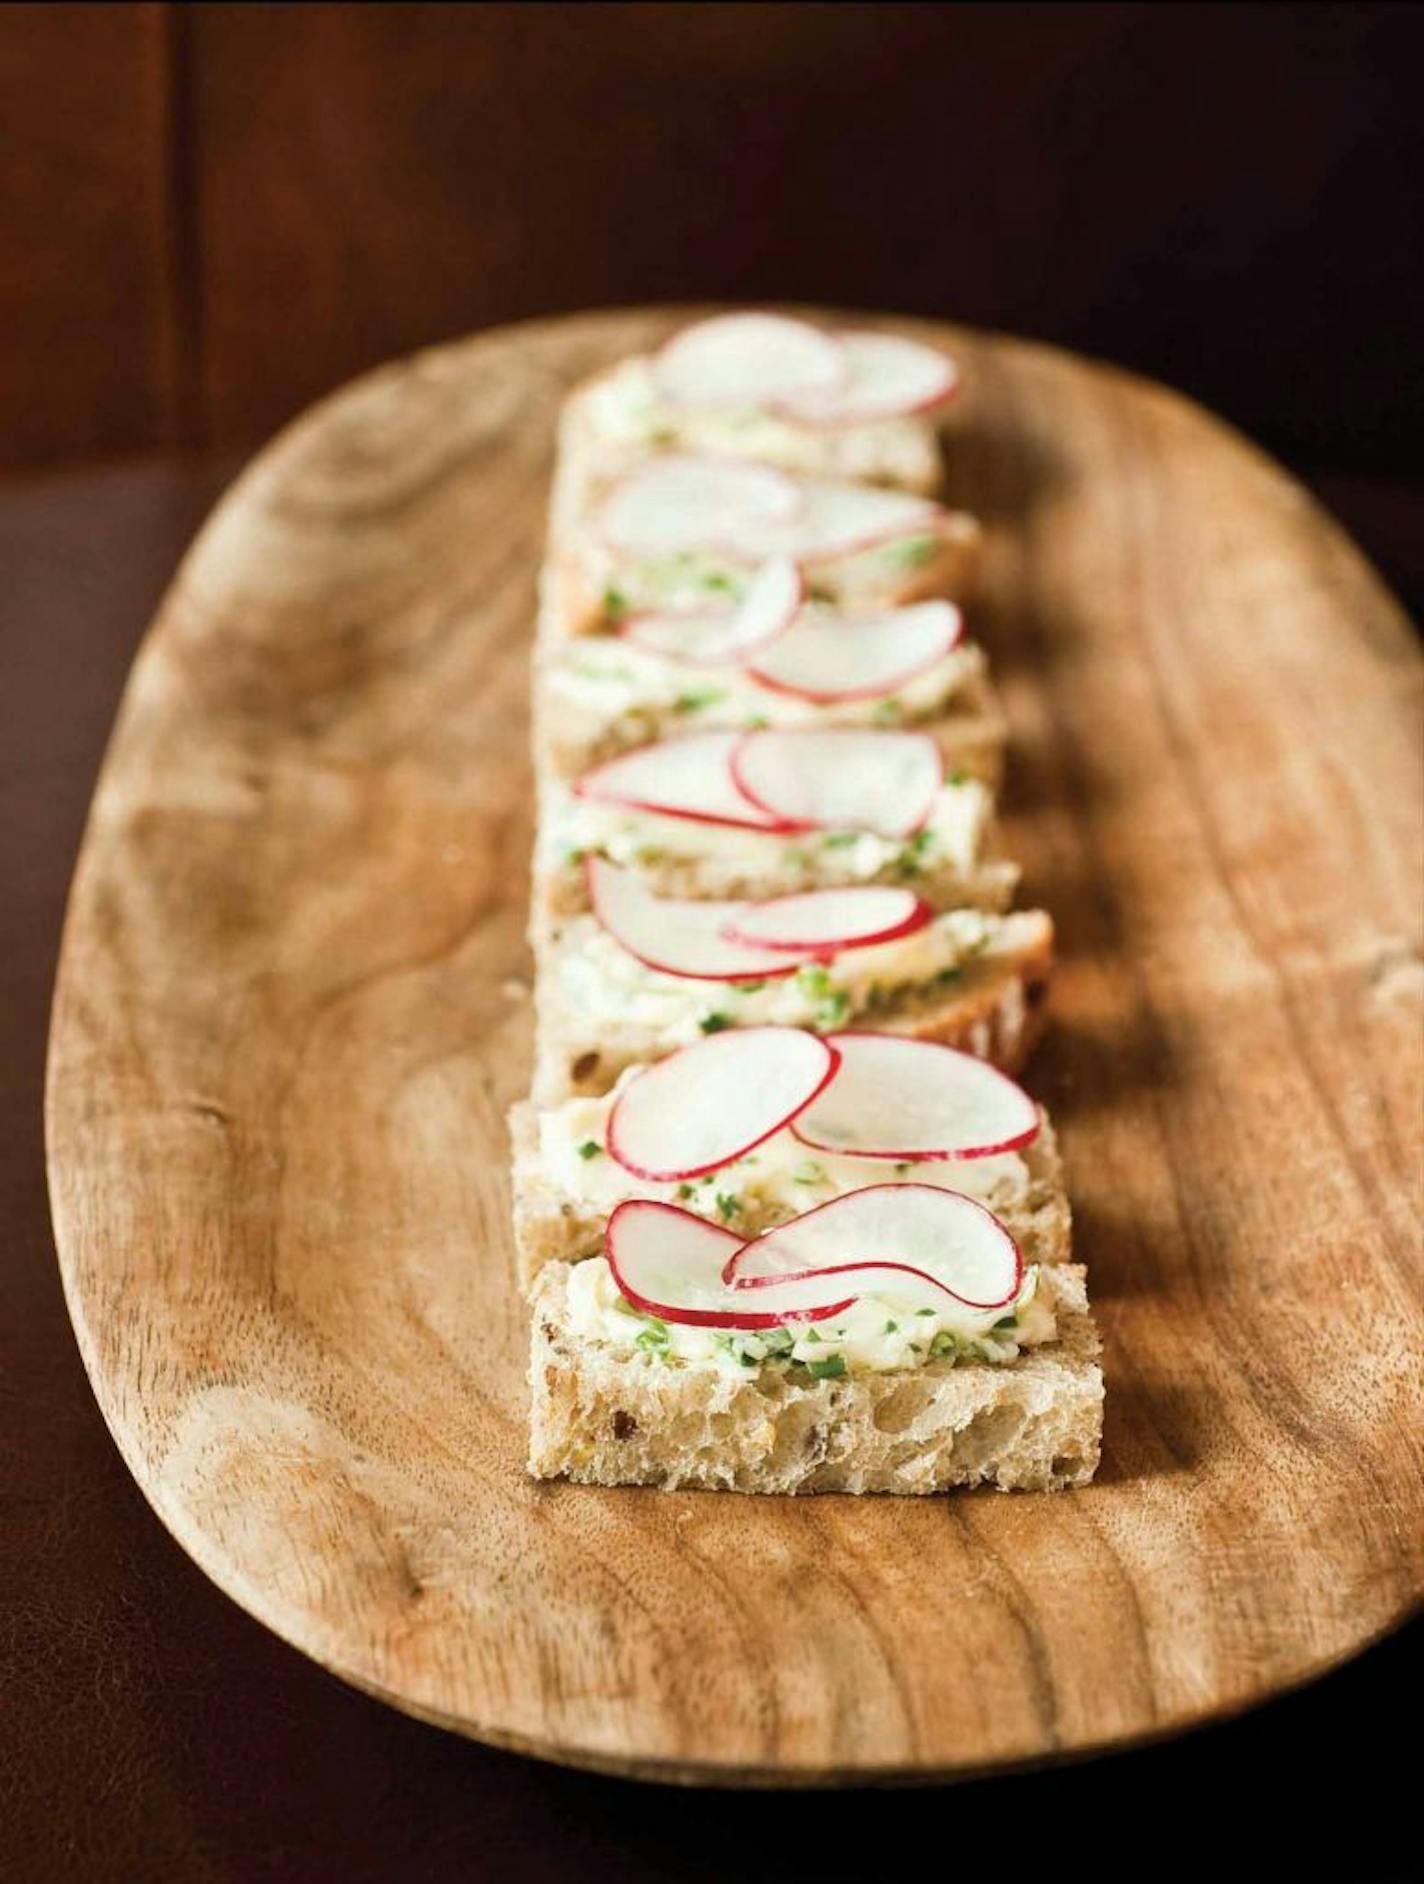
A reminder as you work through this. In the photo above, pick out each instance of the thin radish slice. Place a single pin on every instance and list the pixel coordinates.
(678, 938)
(885, 378)
(840, 778)
(714, 1102)
(835, 659)
(678, 502)
(688, 778)
(827, 920)
(924, 1238)
(765, 612)
(835, 520)
(669, 1263)
(748, 360)
(899, 1098)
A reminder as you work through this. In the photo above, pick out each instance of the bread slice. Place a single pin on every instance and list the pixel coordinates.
(602, 1417)
(598, 1011)
(955, 860)
(617, 416)
(597, 696)
(562, 1199)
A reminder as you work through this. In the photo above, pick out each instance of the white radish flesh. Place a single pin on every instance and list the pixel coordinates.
(936, 1240)
(831, 659)
(748, 360)
(669, 1263)
(825, 921)
(688, 778)
(841, 778)
(678, 502)
(885, 377)
(914, 1099)
(714, 1102)
(716, 639)
(672, 937)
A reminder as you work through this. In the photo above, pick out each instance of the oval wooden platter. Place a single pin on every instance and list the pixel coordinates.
(293, 1006)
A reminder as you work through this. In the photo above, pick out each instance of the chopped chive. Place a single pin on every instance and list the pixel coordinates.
(590, 1148)
(924, 1311)
(891, 1327)
(684, 1190)
(832, 1368)
(615, 603)
(713, 1023)
(728, 1204)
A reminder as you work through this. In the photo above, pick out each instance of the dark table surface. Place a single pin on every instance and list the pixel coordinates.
(150, 1730)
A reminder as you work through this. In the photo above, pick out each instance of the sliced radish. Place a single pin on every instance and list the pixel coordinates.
(748, 360)
(677, 502)
(926, 1241)
(832, 658)
(823, 921)
(688, 778)
(900, 1098)
(840, 778)
(835, 520)
(713, 1102)
(709, 639)
(679, 938)
(885, 377)
(669, 1263)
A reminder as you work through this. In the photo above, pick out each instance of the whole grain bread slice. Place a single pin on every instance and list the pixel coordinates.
(599, 1417)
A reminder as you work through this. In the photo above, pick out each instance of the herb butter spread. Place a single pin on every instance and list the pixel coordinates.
(952, 835)
(598, 978)
(873, 1336)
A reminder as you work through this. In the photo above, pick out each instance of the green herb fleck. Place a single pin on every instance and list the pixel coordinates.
(748, 987)
(901, 1169)
(924, 1311)
(713, 1023)
(839, 840)
(889, 709)
(832, 1368)
(615, 604)
(654, 1338)
(891, 1327)
(684, 1190)
(1007, 1321)
(728, 1204)
(813, 979)
(590, 1148)
(695, 702)
(958, 776)
(910, 553)
(947, 975)
(719, 582)
(812, 1173)
(811, 1335)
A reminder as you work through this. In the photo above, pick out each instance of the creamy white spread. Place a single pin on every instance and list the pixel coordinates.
(953, 834)
(609, 677)
(601, 980)
(776, 1180)
(626, 408)
(874, 1335)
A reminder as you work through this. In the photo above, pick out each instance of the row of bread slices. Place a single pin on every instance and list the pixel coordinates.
(866, 1096)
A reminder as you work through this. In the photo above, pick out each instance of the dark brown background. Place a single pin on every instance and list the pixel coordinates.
(210, 215)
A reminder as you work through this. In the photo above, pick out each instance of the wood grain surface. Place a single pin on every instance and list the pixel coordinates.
(293, 1005)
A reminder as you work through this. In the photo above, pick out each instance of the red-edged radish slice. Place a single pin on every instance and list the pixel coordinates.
(840, 778)
(921, 1237)
(748, 360)
(679, 502)
(832, 659)
(885, 378)
(678, 938)
(765, 612)
(900, 1098)
(690, 778)
(669, 1263)
(714, 1102)
(836, 520)
(824, 921)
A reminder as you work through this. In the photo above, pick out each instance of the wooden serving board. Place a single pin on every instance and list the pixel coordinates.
(293, 1006)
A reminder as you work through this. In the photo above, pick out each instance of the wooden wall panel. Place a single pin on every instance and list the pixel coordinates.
(1224, 196)
(88, 341)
